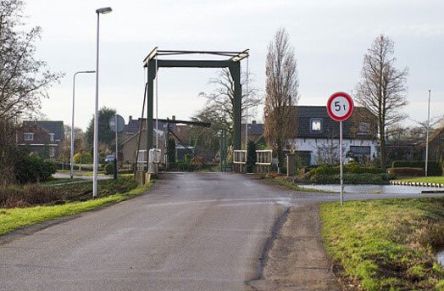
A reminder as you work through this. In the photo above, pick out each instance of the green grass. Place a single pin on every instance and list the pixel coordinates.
(386, 244)
(14, 218)
(282, 181)
(434, 179)
(55, 181)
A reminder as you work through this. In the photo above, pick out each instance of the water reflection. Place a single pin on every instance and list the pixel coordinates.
(371, 189)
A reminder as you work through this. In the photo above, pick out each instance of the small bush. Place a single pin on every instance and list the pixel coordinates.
(109, 168)
(434, 168)
(406, 172)
(31, 169)
(83, 158)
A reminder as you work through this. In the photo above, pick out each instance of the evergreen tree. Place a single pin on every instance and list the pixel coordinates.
(251, 156)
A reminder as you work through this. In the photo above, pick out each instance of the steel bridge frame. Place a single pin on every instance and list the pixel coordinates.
(153, 62)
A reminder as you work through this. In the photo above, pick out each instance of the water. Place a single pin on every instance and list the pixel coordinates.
(371, 189)
(440, 257)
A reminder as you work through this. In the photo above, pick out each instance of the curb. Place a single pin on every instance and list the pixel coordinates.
(421, 184)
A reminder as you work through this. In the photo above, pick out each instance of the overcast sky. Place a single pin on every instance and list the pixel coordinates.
(329, 38)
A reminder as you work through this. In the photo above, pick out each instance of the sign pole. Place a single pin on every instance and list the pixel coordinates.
(116, 154)
(341, 163)
(340, 108)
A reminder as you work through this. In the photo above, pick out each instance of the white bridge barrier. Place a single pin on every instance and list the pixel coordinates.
(263, 161)
(239, 161)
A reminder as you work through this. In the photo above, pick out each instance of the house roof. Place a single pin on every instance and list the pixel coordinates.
(254, 128)
(329, 128)
(55, 127)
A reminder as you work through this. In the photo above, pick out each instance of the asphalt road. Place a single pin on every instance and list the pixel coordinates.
(192, 232)
(195, 231)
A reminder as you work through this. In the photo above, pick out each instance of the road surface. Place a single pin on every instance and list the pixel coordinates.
(192, 232)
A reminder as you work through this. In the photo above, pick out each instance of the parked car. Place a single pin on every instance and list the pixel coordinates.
(109, 158)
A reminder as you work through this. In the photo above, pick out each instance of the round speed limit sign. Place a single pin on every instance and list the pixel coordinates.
(340, 106)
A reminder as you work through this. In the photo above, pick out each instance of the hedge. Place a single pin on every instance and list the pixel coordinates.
(406, 172)
(378, 179)
(31, 169)
(434, 168)
(348, 169)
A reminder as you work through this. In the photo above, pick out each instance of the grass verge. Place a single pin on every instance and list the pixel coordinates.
(14, 218)
(386, 244)
(284, 182)
(434, 179)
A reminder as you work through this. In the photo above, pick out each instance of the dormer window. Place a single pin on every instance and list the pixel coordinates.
(316, 125)
(28, 136)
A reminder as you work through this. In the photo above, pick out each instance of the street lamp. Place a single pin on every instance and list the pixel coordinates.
(427, 137)
(71, 157)
(99, 11)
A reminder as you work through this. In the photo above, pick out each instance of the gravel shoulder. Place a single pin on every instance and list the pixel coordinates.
(296, 259)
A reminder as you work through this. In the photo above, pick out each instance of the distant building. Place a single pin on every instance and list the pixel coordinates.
(436, 145)
(44, 138)
(316, 136)
(255, 132)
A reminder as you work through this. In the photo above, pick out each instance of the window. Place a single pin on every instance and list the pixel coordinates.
(28, 136)
(51, 137)
(364, 128)
(51, 152)
(316, 125)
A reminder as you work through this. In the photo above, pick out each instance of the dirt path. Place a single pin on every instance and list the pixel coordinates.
(296, 259)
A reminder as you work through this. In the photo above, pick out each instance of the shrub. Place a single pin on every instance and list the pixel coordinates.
(83, 158)
(251, 156)
(367, 178)
(109, 168)
(31, 169)
(352, 168)
(434, 168)
(409, 172)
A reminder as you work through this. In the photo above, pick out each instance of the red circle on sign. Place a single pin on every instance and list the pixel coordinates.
(348, 110)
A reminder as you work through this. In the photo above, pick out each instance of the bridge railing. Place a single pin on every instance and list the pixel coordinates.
(263, 161)
(239, 161)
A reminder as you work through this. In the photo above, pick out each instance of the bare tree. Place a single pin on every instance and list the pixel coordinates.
(221, 101)
(281, 93)
(23, 79)
(382, 88)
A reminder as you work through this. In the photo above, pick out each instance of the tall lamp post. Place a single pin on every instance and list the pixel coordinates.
(99, 11)
(427, 137)
(71, 156)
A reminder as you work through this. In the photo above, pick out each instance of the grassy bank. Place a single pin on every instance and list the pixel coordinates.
(14, 218)
(434, 179)
(284, 182)
(386, 244)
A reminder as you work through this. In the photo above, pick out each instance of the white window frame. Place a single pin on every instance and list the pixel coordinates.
(312, 121)
(51, 152)
(51, 136)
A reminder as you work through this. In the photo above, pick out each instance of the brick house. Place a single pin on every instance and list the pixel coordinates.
(44, 138)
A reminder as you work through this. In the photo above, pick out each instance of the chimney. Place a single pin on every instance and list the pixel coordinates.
(174, 117)
(130, 118)
(253, 122)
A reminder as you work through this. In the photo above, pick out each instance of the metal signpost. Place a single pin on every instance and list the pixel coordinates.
(116, 123)
(340, 108)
